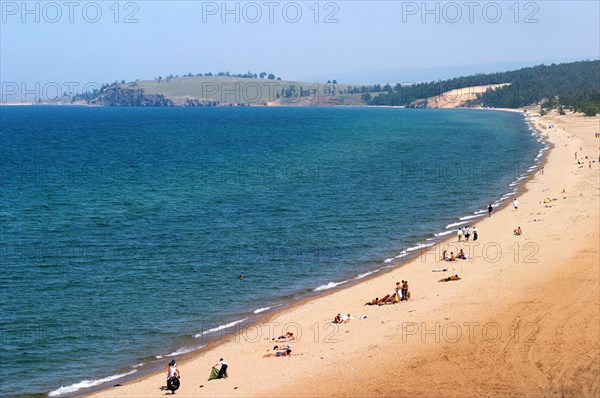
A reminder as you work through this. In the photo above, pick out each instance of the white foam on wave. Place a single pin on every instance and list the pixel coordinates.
(471, 217)
(86, 384)
(387, 260)
(456, 224)
(221, 327)
(328, 286)
(360, 276)
(445, 233)
(417, 247)
(184, 350)
(259, 310)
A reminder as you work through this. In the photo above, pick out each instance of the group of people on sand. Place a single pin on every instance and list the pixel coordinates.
(466, 232)
(174, 376)
(339, 318)
(452, 257)
(281, 350)
(401, 293)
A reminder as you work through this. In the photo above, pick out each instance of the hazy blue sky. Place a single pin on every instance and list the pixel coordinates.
(352, 41)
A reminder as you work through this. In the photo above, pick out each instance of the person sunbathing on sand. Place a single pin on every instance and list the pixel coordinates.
(373, 302)
(289, 336)
(450, 278)
(338, 318)
(518, 231)
(286, 353)
(389, 299)
(461, 255)
(384, 299)
(281, 348)
(452, 257)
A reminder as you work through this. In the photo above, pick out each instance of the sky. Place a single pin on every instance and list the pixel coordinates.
(84, 42)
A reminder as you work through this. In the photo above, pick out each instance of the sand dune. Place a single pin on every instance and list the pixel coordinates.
(459, 97)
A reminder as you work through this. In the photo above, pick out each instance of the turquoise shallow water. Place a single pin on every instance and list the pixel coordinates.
(124, 230)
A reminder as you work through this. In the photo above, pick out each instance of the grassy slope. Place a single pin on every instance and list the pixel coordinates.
(244, 91)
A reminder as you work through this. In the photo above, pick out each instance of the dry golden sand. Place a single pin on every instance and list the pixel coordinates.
(523, 321)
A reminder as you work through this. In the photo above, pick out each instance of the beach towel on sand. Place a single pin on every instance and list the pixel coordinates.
(214, 373)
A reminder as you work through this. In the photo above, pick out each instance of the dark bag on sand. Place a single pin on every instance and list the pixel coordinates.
(173, 384)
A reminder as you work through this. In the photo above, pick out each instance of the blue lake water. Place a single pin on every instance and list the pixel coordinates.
(124, 230)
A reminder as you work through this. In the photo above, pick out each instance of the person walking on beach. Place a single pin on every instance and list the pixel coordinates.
(460, 234)
(475, 233)
(223, 369)
(172, 376)
(490, 209)
(516, 204)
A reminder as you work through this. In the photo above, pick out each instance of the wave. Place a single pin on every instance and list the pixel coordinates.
(360, 276)
(456, 224)
(328, 286)
(86, 384)
(473, 216)
(259, 310)
(184, 350)
(417, 247)
(221, 327)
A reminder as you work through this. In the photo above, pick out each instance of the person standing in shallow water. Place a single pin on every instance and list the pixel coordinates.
(490, 209)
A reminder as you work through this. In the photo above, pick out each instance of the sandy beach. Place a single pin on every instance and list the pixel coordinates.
(524, 320)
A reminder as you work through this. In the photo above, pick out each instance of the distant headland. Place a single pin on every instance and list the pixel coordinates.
(574, 86)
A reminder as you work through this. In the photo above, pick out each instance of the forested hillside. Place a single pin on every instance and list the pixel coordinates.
(573, 85)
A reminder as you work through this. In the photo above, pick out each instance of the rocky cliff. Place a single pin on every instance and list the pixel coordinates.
(119, 96)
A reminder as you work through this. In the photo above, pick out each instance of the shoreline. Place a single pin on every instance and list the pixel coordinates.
(381, 271)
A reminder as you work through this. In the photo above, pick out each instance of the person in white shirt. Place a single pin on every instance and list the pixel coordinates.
(223, 368)
(172, 371)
